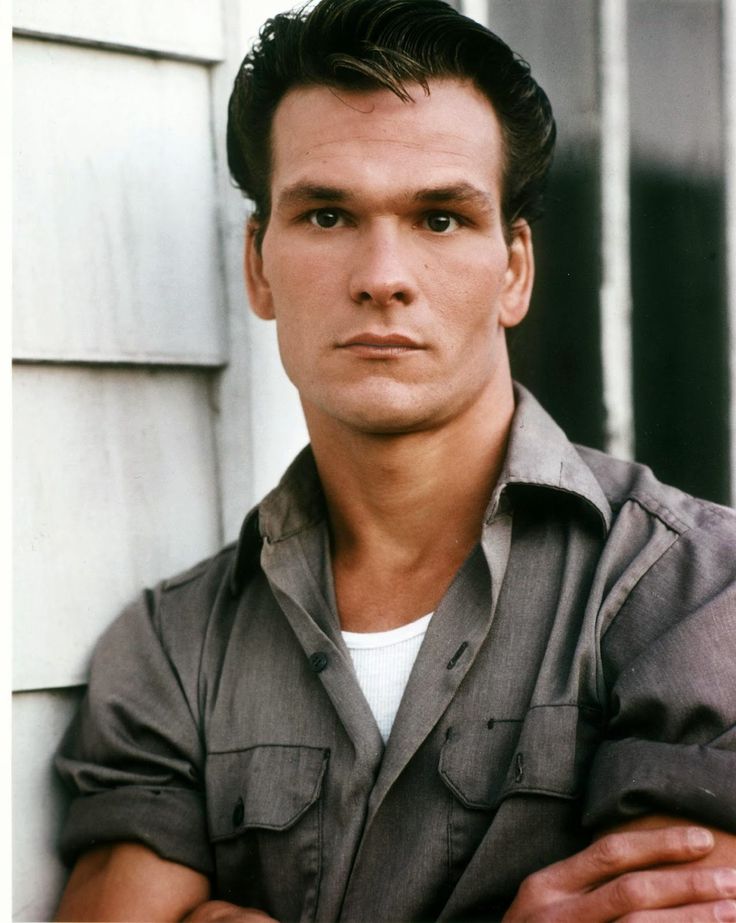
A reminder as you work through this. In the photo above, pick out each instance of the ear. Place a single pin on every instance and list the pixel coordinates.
(517, 290)
(259, 290)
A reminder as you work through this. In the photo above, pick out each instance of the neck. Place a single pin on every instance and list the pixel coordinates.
(390, 496)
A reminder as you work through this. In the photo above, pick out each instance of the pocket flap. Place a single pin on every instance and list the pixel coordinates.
(544, 754)
(552, 751)
(474, 759)
(268, 787)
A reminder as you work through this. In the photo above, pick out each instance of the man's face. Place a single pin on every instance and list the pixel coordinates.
(384, 262)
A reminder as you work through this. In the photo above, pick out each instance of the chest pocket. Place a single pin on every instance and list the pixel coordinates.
(485, 764)
(265, 821)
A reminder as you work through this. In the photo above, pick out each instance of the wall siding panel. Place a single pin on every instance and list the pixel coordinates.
(191, 28)
(116, 249)
(116, 477)
(262, 426)
(39, 800)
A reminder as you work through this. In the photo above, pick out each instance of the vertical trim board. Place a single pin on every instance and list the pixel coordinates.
(616, 348)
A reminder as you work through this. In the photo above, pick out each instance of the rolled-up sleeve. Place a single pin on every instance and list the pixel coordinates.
(670, 662)
(133, 757)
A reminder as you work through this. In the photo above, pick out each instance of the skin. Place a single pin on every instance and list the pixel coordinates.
(386, 268)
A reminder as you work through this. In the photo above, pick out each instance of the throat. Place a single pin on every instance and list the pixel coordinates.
(380, 595)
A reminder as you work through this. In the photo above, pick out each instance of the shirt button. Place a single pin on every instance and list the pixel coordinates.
(238, 813)
(318, 661)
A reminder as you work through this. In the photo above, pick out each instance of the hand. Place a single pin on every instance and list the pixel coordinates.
(641, 876)
(222, 912)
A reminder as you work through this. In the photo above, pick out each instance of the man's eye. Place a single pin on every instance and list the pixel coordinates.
(325, 218)
(441, 222)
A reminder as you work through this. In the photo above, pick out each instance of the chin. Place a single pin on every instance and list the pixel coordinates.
(387, 421)
(385, 411)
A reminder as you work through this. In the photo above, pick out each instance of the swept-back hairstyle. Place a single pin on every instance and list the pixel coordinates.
(391, 44)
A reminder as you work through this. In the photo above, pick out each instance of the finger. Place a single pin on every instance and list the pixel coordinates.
(617, 853)
(655, 889)
(720, 911)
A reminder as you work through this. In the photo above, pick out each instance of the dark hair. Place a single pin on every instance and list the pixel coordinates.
(368, 44)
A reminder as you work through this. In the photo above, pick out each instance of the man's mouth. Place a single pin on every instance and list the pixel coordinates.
(380, 345)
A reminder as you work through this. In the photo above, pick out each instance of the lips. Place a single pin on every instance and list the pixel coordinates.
(381, 343)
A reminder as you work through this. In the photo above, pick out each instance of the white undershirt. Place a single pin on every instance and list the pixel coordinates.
(383, 661)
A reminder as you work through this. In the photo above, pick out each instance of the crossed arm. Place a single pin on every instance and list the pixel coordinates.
(648, 870)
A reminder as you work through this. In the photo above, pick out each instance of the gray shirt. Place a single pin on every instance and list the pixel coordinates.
(579, 671)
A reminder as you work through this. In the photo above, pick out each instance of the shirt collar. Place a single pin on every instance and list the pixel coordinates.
(538, 455)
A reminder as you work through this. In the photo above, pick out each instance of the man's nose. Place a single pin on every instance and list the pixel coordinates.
(382, 272)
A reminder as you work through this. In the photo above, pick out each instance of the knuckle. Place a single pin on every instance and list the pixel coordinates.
(702, 884)
(631, 892)
(610, 851)
(533, 887)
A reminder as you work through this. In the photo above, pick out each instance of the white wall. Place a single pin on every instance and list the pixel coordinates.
(150, 410)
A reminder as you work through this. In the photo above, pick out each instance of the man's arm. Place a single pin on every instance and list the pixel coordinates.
(128, 881)
(650, 869)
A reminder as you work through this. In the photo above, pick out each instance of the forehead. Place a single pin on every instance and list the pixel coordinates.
(451, 134)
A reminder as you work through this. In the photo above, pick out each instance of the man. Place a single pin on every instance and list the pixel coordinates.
(455, 668)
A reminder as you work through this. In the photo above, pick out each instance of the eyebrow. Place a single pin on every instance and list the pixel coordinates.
(461, 193)
(304, 193)
(458, 193)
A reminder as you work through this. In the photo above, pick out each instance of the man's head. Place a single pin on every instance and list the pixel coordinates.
(388, 44)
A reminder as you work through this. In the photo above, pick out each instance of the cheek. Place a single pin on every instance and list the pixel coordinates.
(470, 296)
(298, 278)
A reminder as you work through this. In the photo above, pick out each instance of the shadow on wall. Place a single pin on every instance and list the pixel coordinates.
(556, 351)
(679, 322)
(680, 329)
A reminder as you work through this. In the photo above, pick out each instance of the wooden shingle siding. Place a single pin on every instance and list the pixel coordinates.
(173, 28)
(116, 471)
(125, 260)
(260, 427)
(120, 341)
(39, 800)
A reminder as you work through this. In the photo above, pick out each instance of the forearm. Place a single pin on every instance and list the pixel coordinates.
(128, 881)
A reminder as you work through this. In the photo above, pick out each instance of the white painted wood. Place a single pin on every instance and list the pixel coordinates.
(252, 14)
(115, 487)
(616, 342)
(181, 27)
(116, 246)
(729, 107)
(39, 801)
(477, 10)
(278, 430)
(260, 425)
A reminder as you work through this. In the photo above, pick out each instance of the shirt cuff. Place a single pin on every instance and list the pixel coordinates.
(630, 778)
(171, 822)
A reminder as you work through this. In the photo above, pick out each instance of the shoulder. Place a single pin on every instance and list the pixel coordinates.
(670, 566)
(625, 483)
(200, 582)
(193, 593)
